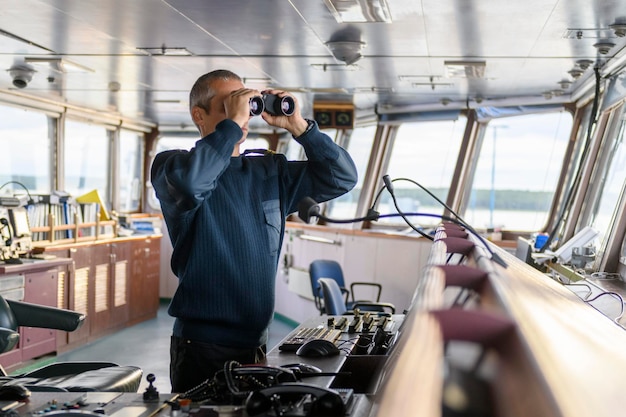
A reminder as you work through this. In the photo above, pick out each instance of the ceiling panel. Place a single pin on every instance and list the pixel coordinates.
(527, 48)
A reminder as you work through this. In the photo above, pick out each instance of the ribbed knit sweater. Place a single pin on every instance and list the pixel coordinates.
(226, 219)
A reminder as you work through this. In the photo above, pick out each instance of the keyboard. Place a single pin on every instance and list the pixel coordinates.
(308, 333)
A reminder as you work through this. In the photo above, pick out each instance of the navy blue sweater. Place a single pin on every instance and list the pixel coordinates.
(226, 219)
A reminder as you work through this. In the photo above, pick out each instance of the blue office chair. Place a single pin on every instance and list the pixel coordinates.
(334, 303)
(324, 268)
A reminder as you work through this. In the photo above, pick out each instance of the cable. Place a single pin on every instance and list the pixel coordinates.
(30, 198)
(308, 208)
(389, 187)
(618, 296)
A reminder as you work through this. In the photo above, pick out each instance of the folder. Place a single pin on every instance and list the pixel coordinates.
(93, 196)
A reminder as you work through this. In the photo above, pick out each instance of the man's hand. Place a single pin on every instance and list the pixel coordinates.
(237, 105)
(294, 124)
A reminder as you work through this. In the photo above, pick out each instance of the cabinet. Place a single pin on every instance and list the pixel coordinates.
(39, 288)
(39, 285)
(144, 282)
(115, 283)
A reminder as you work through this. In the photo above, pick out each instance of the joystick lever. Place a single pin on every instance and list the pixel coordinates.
(151, 393)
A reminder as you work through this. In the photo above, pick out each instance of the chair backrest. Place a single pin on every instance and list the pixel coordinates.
(334, 303)
(323, 268)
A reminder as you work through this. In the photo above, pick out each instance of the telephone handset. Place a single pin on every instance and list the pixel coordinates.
(232, 384)
(296, 399)
(241, 379)
(6, 231)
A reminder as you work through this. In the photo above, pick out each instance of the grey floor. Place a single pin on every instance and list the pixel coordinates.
(146, 345)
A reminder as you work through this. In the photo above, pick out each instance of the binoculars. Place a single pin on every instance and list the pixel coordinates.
(272, 104)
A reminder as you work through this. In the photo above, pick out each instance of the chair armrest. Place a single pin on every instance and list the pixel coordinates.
(35, 315)
(378, 286)
(346, 295)
(388, 306)
(8, 339)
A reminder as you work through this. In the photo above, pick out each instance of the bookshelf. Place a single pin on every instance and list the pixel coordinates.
(73, 232)
(57, 219)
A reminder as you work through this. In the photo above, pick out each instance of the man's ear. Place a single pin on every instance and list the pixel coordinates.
(197, 115)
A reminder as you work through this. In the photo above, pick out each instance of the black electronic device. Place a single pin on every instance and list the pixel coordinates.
(14, 392)
(6, 232)
(296, 399)
(294, 342)
(19, 221)
(318, 348)
(334, 115)
(232, 384)
(151, 393)
(302, 368)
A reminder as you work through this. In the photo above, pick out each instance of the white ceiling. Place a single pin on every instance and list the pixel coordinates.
(527, 47)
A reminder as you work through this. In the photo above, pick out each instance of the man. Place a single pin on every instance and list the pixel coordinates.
(225, 214)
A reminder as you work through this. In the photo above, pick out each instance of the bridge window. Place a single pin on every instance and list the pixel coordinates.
(517, 171)
(611, 184)
(424, 153)
(131, 157)
(359, 146)
(86, 159)
(24, 151)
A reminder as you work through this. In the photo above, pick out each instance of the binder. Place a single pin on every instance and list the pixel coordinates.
(93, 196)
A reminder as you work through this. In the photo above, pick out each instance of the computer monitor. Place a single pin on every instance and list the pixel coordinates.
(19, 222)
(524, 250)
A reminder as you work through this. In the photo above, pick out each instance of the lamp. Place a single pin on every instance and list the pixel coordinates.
(346, 51)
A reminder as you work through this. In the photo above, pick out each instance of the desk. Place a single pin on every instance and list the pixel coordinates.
(32, 265)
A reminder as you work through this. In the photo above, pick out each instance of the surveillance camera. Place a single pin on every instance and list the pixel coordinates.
(21, 76)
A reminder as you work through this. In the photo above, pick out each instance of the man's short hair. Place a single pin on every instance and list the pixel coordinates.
(202, 92)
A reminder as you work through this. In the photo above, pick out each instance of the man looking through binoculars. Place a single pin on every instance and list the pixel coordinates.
(225, 214)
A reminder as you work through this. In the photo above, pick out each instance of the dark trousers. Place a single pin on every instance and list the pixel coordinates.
(192, 363)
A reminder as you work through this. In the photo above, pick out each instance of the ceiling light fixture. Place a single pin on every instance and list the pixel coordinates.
(57, 64)
(252, 80)
(166, 51)
(359, 11)
(465, 69)
(335, 67)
